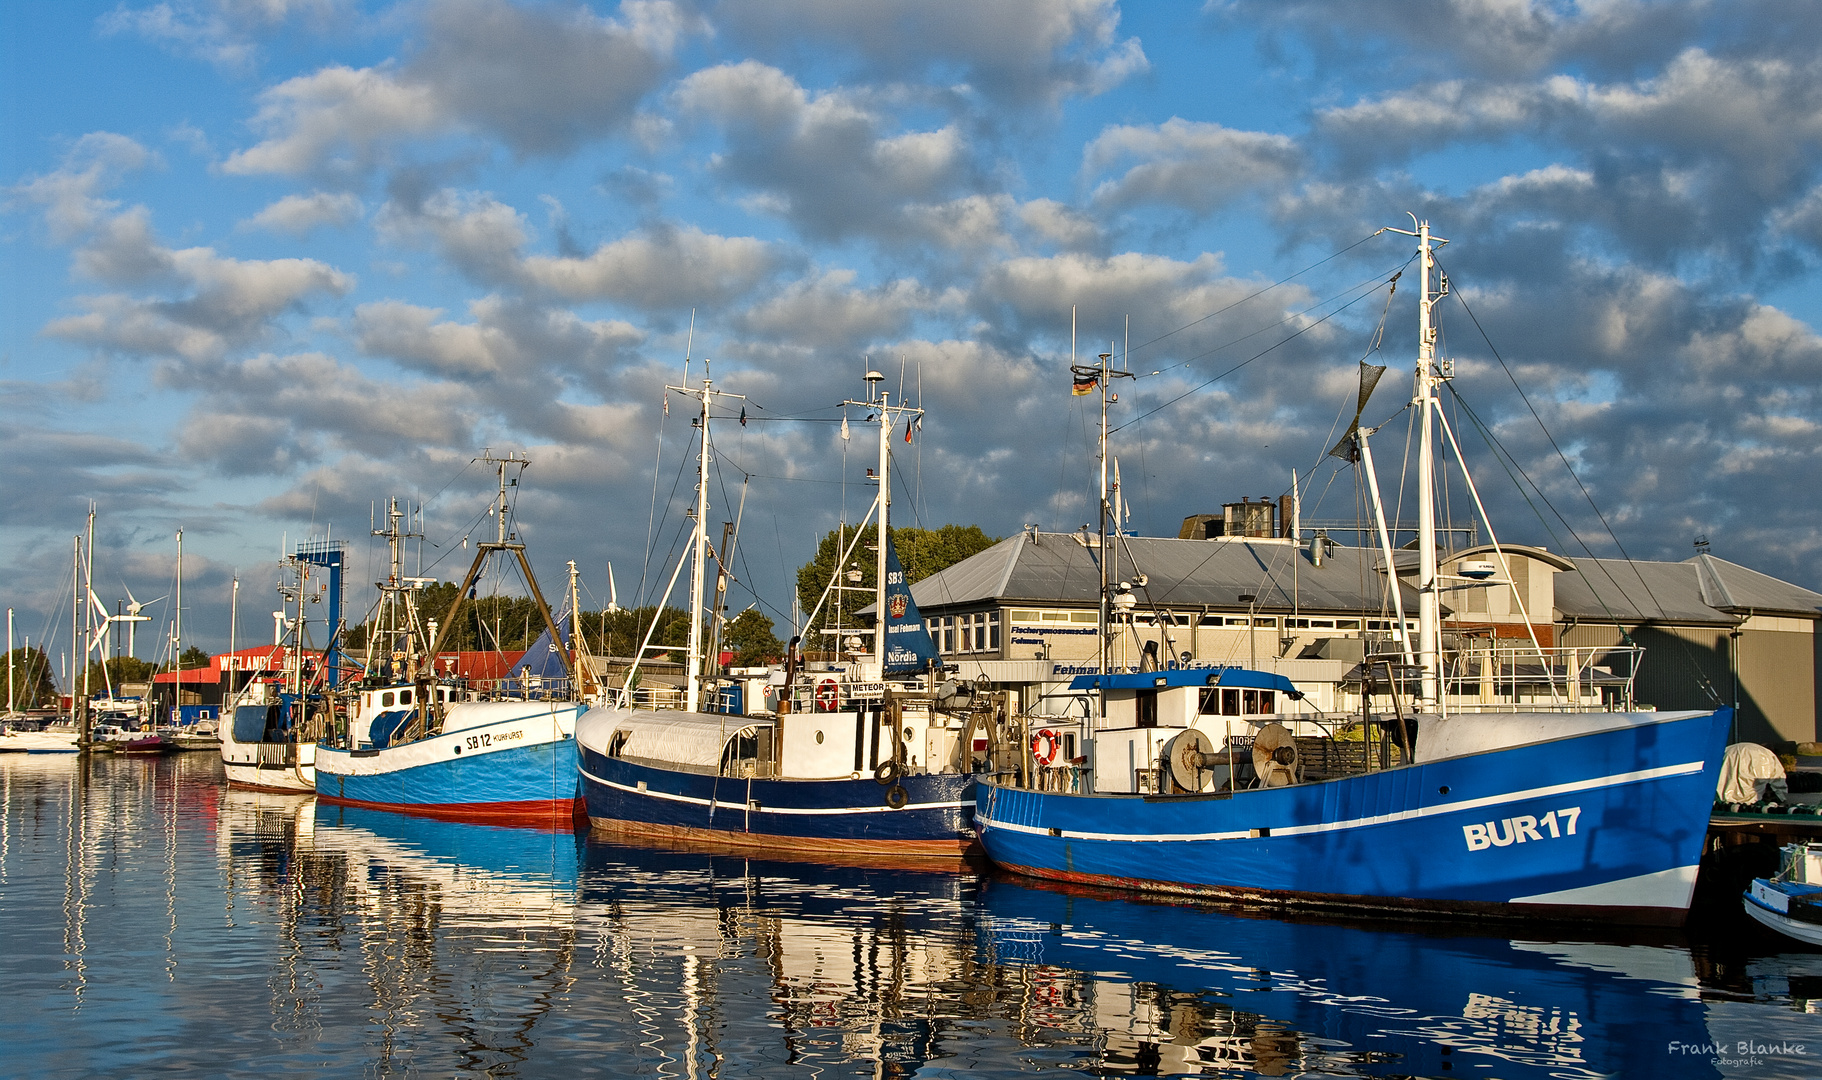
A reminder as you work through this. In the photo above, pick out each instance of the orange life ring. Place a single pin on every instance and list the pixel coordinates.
(828, 696)
(1044, 746)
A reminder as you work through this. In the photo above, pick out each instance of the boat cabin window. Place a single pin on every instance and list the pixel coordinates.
(1220, 701)
(404, 697)
(1148, 708)
(1259, 701)
(386, 699)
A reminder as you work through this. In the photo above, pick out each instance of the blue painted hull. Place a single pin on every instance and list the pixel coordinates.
(1607, 825)
(828, 817)
(527, 785)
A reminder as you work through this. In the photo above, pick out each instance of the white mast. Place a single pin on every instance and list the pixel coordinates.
(1428, 375)
(699, 543)
(9, 662)
(177, 648)
(233, 628)
(874, 379)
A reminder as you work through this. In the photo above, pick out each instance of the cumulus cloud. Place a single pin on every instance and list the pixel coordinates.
(207, 304)
(544, 79)
(660, 268)
(301, 214)
(829, 163)
(507, 341)
(829, 312)
(1188, 164)
(339, 119)
(269, 414)
(477, 233)
(73, 194)
(224, 33)
(1020, 51)
(540, 80)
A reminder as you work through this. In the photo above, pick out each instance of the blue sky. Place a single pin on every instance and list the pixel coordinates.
(269, 262)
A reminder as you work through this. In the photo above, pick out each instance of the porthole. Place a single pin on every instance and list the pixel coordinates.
(819, 736)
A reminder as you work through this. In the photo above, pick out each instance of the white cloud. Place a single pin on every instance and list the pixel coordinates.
(827, 162)
(337, 110)
(538, 79)
(211, 304)
(300, 214)
(1023, 51)
(660, 268)
(479, 234)
(72, 194)
(829, 312)
(1189, 164)
(505, 342)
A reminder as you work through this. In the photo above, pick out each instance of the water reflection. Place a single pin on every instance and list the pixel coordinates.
(152, 916)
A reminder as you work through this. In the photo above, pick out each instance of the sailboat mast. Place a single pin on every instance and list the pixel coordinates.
(1429, 614)
(885, 503)
(177, 648)
(1106, 581)
(699, 542)
(233, 661)
(76, 705)
(88, 589)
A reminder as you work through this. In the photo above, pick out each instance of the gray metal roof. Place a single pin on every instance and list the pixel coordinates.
(1057, 568)
(1703, 590)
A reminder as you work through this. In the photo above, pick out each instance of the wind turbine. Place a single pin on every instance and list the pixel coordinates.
(133, 616)
(613, 594)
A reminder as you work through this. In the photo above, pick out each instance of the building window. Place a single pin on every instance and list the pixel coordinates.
(948, 633)
(967, 633)
(993, 631)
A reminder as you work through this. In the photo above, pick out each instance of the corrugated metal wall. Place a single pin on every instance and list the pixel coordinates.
(1688, 667)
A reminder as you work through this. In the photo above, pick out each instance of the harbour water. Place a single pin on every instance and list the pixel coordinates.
(151, 920)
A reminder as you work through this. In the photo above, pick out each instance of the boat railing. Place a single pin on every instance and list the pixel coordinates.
(1488, 676)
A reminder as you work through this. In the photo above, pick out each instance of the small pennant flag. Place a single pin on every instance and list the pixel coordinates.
(743, 416)
(667, 404)
(907, 429)
(1084, 384)
(844, 427)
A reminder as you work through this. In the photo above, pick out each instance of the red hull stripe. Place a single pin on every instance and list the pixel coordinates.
(560, 813)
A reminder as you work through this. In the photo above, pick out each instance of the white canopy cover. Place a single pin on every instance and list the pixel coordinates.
(677, 738)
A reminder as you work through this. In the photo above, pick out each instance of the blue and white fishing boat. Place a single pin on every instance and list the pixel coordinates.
(275, 717)
(1596, 815)
(1790, 901)
(870, 768)
(418, 740)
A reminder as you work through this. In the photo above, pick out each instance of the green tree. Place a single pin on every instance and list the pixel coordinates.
(922, 552)
(749, 636)
(192, 657)
(620, 633)
(117, 670)
(30, 670)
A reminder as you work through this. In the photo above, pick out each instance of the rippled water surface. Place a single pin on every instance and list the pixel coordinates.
(153, 921)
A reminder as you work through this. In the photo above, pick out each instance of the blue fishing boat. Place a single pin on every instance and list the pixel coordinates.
(1561, 806)
(415, 739)
(869, 760)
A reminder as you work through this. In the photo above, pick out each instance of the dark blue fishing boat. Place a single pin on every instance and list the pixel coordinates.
(860, 766)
